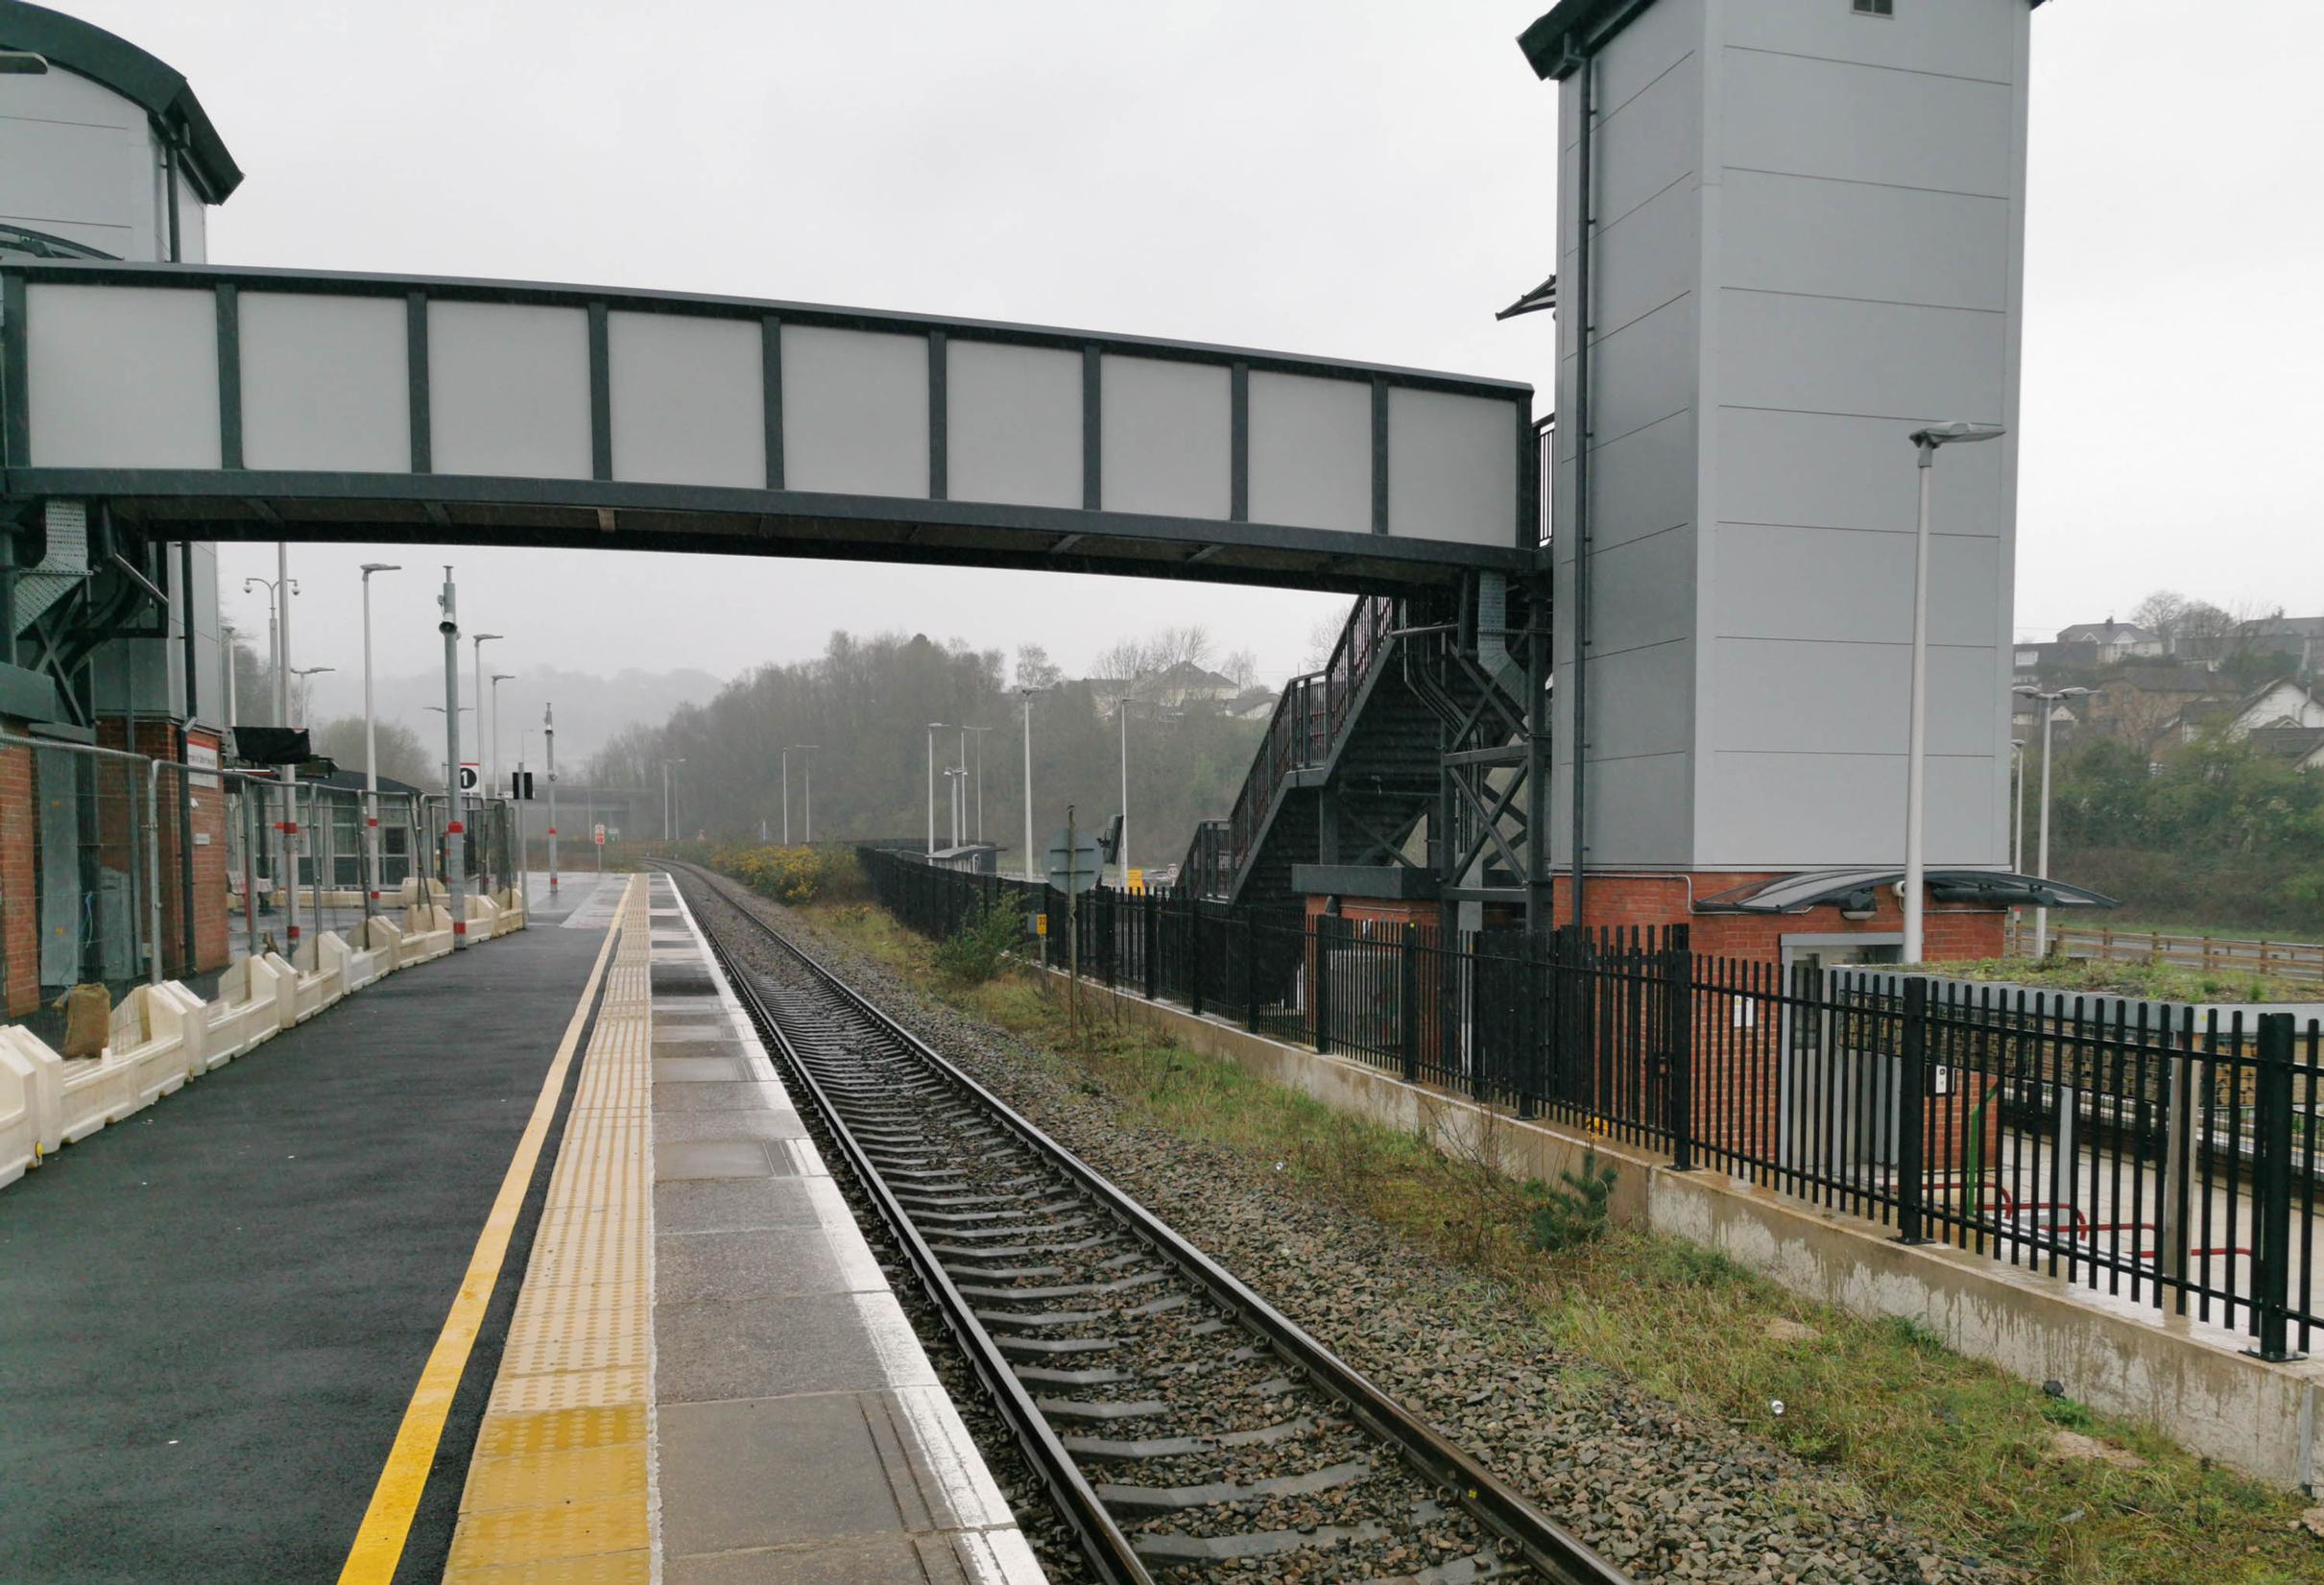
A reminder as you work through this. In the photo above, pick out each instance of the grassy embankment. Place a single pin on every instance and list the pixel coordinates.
(1972, 1457)
(2140, 980)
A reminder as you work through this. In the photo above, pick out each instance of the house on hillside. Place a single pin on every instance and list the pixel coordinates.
(1182, 685)
(2140, 702)
(2303, 746)
(2299, 640)
(2114, 641)
(2286, 705)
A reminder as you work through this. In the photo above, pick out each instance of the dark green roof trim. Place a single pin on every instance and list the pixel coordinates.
(120, 66)
(1572, 30)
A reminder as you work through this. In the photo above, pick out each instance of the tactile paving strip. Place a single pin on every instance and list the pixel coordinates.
(558, 1489)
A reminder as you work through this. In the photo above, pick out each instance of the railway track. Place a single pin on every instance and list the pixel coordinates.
(1182, 1426)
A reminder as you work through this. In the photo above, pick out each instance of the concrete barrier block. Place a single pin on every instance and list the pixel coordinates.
(384, 939)
(17, 1141)
(332, 960)
(286, 988)
(188, 1017)
(40, 1071)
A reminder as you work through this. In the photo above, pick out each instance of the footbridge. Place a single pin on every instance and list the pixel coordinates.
(198, 402)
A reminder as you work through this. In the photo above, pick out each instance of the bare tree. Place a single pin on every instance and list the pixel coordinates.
(1323, 637)
(1241, 669)
(1035, 669)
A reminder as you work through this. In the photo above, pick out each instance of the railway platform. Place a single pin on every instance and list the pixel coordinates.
(520, 1267)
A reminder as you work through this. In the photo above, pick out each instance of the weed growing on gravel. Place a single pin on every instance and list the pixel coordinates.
(1970, 1456)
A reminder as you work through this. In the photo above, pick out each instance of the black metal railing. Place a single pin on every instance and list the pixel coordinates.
(1309, 719)
(2164, 1158)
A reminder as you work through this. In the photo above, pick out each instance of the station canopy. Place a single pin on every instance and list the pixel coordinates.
(201, 402)
(1793, 894)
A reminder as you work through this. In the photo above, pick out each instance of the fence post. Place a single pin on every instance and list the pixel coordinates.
(1532, 978)
(1152, 945)
(2271, 1186)
(1319, 932)
(1913, 1084)
(1250, 969)
(1678, 1007)
(1194, 956)
(1408, 1003)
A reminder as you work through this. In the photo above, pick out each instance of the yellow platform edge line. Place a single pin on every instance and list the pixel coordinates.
(386, 1523)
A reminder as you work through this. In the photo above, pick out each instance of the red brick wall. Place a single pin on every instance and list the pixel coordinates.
(19, 910)
(1950, 931)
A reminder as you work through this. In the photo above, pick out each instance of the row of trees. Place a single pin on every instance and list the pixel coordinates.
(2210, 832)
(865, 706)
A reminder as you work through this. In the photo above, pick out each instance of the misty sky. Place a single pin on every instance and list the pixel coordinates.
(1362, 179)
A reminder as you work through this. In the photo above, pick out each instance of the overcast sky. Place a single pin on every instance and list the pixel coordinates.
(1367, 179)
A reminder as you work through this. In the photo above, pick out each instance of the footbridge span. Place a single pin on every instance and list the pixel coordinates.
(199, 403)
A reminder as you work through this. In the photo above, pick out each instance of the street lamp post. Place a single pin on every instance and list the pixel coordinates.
(980, 779)
(1027, 695)
(2017, 837)
(807, 770)
(279, 589)
(455, 833)
(934, 727)
(2048, 702)
(1121, 853)
(669, 816)
(370, 752)
(1926, 442)
(317, 834)
(548, 732)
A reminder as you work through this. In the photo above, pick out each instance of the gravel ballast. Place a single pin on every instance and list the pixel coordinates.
(1663, 1494)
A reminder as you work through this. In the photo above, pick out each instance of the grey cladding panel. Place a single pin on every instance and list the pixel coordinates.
(52, 172)
(122, 376)
(1661, 38)
(1013, 424)
(1861, 124)
(1643, 482)
(325, 382)
(1641, 700)
(1644, 373)
(1650, 143)
(1165, 437)
(1637, 812)
(1311, 452)
(509, 389)
(855, 411)
(1796, 696)
(1837, 471)
(1642, 590)
(1647, 258)
(1815, 810)
(1949, 37)
(1452, 467)
(688, 400)
(1785, 233)
(1882, 359)
(1850, 584)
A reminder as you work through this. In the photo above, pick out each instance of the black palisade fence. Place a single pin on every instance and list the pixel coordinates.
(2164, 1156)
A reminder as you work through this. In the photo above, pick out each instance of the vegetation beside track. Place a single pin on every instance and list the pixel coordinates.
(2140, 980)
(1981, 1463)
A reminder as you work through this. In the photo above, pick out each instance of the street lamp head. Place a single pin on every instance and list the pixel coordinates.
(480, 637)
(369, 567)
(311, 671)
(503, 676)
(1946, 434)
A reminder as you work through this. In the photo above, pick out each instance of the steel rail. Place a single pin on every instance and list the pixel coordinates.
(1559, 1554)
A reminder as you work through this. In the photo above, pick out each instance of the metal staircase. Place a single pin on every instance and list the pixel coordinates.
(1418, 720)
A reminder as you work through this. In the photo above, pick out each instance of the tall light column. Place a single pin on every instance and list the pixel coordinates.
(1121, 854)
(548, 730)
(807, 768)
(808, 749)
(455, 833)
(980, 779)
(370, 752)
(279, 589)
(2048, 703)
(933, 727)
(1924, 442)
(786, 796)
(1027, 695)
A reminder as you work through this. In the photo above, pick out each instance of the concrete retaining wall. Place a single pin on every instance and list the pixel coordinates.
(2190, 1382)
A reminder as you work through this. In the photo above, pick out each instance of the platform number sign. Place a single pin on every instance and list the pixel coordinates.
(597, 834)
(469, 778)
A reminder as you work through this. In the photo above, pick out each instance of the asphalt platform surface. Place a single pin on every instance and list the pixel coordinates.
(213, 1314)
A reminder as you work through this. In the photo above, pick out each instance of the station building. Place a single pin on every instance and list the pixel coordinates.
(111, 638)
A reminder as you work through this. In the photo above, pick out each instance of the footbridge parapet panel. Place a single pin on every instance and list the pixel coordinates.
(225, 403)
